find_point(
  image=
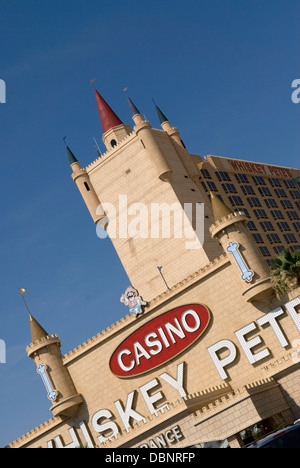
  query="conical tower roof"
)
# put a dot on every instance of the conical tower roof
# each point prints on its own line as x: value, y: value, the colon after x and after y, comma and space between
x: 37, y: 332
x: 71, y: 156
x: 107, y: 116
x: 220, y: 210
x: 133, y: 109
x: 161, y: 116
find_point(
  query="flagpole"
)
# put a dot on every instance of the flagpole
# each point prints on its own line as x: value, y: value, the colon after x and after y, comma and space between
x: 22, y: 296
x: 159, y: 269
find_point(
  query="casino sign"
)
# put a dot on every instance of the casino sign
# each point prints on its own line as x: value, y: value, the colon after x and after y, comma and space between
x: 160, y: 340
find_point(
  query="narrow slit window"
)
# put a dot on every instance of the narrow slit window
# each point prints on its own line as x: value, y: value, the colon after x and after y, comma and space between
x: 87, y: 186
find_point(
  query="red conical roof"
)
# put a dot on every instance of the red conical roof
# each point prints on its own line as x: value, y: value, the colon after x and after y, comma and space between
x: 107, y: 116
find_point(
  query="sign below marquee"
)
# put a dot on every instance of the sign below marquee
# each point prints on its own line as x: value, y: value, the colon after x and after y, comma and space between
x: 160, y: 340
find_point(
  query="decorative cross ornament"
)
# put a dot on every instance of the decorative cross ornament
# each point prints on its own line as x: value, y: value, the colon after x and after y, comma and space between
x: 247, y: 274
x: 42, y: 371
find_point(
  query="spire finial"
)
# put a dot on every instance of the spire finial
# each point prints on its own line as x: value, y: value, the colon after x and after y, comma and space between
x: 37, y: 332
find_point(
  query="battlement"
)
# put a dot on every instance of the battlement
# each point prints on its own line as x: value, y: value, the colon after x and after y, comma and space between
x: 45, y: 341
x: 234, y: 397
x: 180, y: 406
x: 222, y: 223
x: 155, y: 302
x: 37, y: 432
x: 105, y: 156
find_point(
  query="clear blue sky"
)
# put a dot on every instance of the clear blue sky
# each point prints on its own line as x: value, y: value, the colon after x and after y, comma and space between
x: 220, y: 70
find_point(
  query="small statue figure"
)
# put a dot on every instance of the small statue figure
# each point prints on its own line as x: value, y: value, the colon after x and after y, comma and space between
x: 132, y: 299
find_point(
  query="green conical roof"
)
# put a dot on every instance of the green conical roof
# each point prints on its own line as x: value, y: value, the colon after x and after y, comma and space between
x: 71, y: 156
x: 161, y: 115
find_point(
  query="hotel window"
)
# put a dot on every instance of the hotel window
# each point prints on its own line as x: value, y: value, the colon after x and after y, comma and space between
x: 251, y: 226
x: 235, y: 201
x: 271, y: 203
x: 241, y: 178
x: 219, y: 197
x: 295, y: 194
x: 258, y: 180
x: 273, y: 238
x: 258, y: 239
x: 290, y: 184
x: 205, y: 174
x: 265, y: 191
x: 253, y: 201
x: 212, y: 186
x: 277, y: 214
x: 204, y: 186
x: 264, y: 251
x: 292, y: 214
x: 298, y: 205
x: 248, y: 190
x: 286, y: 204
x: 243, y: 210
x: 267, y: 226
x: 269, y: 262
x: 293, y: 248
x: 278, y: 249
x: 283, y: 226
x: 296, y: 226
x: 275, y: 182
x: 229, y: 188
x: 280, y: 193
x: 260, y: 214
x: 223, y: 176
x: 289, y: 238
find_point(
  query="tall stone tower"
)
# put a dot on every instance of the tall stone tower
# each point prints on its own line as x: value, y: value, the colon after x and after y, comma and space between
x: 231, y: 231
x: 45, y: 351
x: 149, y: 199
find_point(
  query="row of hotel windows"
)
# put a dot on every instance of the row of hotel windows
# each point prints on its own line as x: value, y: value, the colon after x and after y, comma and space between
x: 243, y: 179
x: 268, y: 226
x: 278, y: 250
x: 260, y: 213
x: 236, y: 200
x: 264, y: 192
x: 249, y: 190
x: 274, y: 238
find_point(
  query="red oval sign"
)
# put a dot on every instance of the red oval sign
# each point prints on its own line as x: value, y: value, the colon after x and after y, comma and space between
x: 160, y: 340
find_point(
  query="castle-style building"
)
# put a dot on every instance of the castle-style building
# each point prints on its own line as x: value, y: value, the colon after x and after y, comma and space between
x: 205, y: 354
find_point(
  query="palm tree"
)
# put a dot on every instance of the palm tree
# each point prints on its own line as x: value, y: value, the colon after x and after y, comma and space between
x: 285, y: 272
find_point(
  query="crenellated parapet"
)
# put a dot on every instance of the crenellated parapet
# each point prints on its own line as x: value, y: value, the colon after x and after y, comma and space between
x: 226, y: 221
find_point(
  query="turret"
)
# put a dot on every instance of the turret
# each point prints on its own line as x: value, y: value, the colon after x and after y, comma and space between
x: 167, y: 127
x: 143, y: 130
x: 231, y: 231
x: 82, y: 180
x: 178, y: 144
x: 45, y: 351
